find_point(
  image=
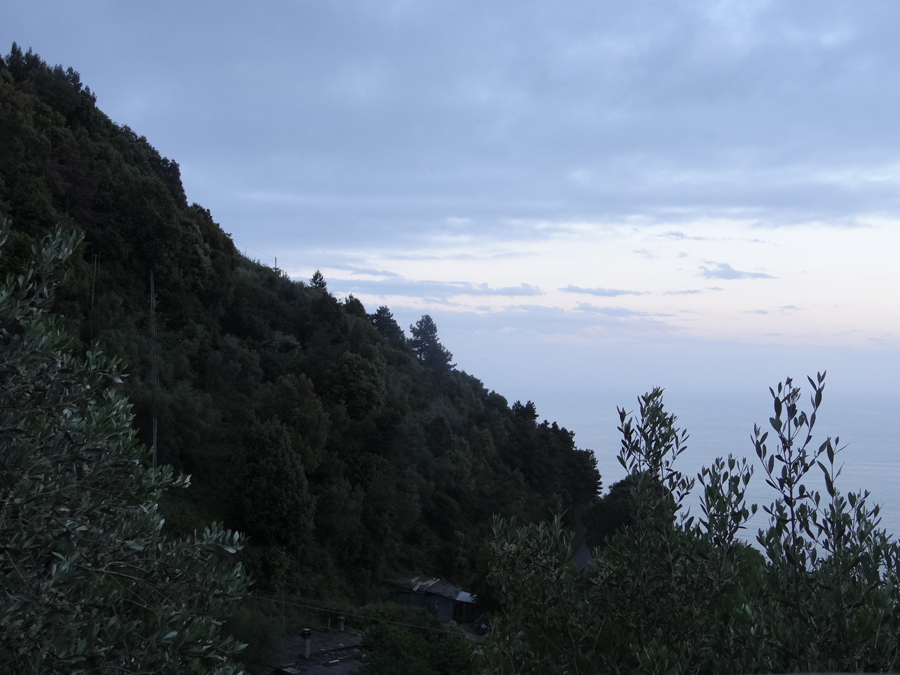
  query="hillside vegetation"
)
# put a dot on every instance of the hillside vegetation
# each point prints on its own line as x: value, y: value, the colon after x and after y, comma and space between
x: 350, y: 452
x: 345, y: 449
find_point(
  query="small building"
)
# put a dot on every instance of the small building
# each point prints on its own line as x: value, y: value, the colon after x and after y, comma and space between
x: 448, y: 602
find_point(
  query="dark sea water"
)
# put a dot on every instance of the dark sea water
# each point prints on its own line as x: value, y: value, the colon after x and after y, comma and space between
x: 720, y: 423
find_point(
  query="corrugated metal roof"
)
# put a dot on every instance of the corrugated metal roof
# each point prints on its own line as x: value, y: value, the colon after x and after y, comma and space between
x: 466, y: 597
x: 422, y: 584
x: 445, y: 589
x: 435, y: 586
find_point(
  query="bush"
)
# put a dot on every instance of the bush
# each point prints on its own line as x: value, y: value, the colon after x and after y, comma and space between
x: 410, y: 641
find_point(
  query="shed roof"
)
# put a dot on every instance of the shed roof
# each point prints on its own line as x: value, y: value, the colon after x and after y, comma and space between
x: 436, y: 586
x: 445, y: 589
x: 466, y: 597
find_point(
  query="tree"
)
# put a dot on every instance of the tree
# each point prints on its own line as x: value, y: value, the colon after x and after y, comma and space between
x: 410, y: 641
x: 670, y: 594
x: 292, y: 400
x: 91, y: 583
x: 354, y: 307
x: 832, y: 595
x: 358, y: 383
x: 527, y: 412
x: 273, y: 498
x: 318, y: 281
x: 611, y: 513
x: 384, y: 322
x: 428, y: 347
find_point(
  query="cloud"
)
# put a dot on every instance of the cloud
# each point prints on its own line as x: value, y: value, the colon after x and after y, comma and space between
x: 616, y: 312
x: 375, y: 272
x: 520, y: 290
x: 404, y: 134
x: 681, y: 236
x: 380, y: 275
x: 604, y: 292
x: 431, y: 290
x: 690, y: 292
x: 678, y: 235
x: 726, y: 271
x: 534, y: 321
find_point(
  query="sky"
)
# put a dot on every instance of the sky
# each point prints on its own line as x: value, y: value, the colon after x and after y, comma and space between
x: 589, y: 198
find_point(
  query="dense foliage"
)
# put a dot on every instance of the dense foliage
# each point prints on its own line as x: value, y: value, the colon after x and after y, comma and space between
x: 410, y: 641
x: 668, y: 594
x: 380, y: 454
x: 90, y: 582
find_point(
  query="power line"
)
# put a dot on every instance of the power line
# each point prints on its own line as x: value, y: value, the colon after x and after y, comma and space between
x: 268, y: 255
x: 355, y: 616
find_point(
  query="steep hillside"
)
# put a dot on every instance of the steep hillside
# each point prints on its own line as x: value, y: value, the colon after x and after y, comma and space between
x: 345, y: 449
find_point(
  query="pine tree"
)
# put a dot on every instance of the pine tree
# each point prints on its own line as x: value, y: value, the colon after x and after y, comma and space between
x: 384, y: 322
x: 318, y: 281
x: 428, y: 347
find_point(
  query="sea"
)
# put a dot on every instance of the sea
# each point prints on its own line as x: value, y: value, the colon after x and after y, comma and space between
x: 720, y: 423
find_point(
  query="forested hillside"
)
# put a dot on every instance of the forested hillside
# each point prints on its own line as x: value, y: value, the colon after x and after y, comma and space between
x: 347, y: 450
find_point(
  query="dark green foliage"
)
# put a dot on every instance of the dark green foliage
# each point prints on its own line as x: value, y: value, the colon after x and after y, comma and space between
x: 832, y: 566
x: 292, y: 400
x: 272, y: 497
x: 358, y: 383
x: 427, y: 346
x: 410, y: 641
x: 384, y: 322
x: 318, y: 281
x: 91, y: 581
x: 261, y: 378
x: 668, y: 594
x: 353, y: 306
x: 611, y: 512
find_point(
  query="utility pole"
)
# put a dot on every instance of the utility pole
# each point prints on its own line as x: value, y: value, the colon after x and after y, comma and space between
x: 93, y: 290
x: 154, y: 372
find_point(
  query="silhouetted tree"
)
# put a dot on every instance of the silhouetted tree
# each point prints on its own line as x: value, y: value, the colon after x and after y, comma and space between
x: 428, y: 347
x: 318, y: 281
x: 354, y: 306
x: 527, y: 412
x: 384, y: 322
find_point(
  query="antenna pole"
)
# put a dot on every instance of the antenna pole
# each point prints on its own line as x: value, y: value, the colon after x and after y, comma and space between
x: 93, y: 289
x: 154, y: 376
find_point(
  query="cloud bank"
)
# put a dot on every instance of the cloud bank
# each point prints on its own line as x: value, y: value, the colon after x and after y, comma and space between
x: 725, y: 271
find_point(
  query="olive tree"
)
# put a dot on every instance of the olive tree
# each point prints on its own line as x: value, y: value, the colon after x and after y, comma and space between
x: 90, y: 582
x: 670, y: 594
